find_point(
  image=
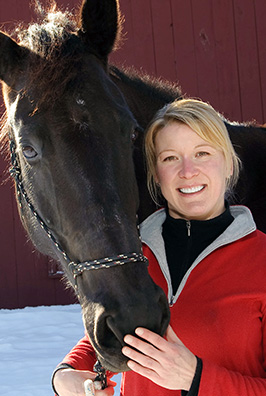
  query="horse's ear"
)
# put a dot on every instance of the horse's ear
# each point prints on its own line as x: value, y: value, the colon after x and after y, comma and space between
x: 100, y: 25
x: 10, y: 58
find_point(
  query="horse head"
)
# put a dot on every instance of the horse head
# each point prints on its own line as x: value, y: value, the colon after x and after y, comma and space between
x: 72, y: 137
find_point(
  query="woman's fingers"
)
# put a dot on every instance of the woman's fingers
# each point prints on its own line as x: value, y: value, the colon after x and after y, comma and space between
x: 154, y: 341
x: 140, y: 358
x: 165, y: 361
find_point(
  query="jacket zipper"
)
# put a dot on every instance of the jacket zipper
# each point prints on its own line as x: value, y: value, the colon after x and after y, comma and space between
x: 188, y: 223
x: 171, y: 303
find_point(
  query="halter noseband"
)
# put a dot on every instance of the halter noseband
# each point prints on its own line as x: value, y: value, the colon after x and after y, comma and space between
x: 107, y: 262
x: 75, y: 267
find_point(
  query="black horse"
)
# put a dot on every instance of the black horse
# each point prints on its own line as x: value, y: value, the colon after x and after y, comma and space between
x: 72, y: 137
x: 75, y: 125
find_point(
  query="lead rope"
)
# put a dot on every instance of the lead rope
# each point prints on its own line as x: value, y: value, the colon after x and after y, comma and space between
x: 101, y: 374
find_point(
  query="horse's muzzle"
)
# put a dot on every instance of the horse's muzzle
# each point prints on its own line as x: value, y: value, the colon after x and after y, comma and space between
x: 107, y: 322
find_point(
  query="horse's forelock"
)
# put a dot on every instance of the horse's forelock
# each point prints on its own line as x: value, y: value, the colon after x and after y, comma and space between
x: 52, y: 58
x: 53, y: 30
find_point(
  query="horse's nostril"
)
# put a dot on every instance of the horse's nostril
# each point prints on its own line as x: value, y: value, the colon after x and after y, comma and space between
x: 115, y: 330
x: 108, y: 334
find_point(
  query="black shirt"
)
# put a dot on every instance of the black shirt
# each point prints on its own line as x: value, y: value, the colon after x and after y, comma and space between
x: 185, y: 240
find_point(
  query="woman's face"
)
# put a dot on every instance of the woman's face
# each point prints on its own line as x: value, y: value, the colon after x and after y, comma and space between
x: 191, y: 172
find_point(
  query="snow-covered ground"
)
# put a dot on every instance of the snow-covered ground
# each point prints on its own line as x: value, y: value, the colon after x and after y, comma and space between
x: 32, y: 342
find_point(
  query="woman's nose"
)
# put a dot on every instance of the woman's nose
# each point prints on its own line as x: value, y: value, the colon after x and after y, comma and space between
x: 188, y: 169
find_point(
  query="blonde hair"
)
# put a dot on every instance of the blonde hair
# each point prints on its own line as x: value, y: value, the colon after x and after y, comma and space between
x: 202, y: 119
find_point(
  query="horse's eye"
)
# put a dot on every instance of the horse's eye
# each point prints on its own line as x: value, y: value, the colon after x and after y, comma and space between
x: 29, y: 152
x: 136, y: 133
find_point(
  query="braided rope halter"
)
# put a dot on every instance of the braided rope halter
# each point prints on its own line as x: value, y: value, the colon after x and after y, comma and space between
x: 77, y: 268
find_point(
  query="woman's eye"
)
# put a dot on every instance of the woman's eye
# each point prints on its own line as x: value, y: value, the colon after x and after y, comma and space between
x: 170, y: 158
x: 202, y: 154
x: 29, y: 152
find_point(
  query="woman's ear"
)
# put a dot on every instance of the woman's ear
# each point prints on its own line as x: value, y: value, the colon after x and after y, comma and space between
x: 231, y: 169
x: 156, y: 179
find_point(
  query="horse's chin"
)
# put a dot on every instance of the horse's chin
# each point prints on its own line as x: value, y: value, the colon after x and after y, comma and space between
x: 111, y: 358
x: 115, y: 363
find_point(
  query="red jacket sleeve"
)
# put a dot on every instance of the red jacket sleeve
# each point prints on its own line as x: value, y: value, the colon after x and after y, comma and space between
x: 82, y: 356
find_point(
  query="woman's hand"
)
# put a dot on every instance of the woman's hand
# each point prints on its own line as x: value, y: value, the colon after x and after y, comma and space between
x: 70, y: 382
x: 165, y: 361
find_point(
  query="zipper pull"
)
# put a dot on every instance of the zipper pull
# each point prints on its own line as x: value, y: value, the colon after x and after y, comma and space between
x: 188, y: 227
x: 171, y: 301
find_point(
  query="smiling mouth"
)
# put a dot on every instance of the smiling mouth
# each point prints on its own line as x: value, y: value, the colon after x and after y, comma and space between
x: 191, y: 190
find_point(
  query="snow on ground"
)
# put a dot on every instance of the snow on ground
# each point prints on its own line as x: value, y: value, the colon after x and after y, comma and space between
x: 33, y: 341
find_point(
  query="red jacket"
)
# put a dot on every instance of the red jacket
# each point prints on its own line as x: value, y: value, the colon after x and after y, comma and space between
x: 219, y: 311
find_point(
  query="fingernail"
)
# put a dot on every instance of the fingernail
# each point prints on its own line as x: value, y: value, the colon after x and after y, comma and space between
x: 128, y: 339
x: 131, y: 364
x: 139, y: 331
x: 126, y: 351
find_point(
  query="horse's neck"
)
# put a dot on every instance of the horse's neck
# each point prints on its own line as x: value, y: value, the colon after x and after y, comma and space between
x: 143, y: 94
x: 144, y: 97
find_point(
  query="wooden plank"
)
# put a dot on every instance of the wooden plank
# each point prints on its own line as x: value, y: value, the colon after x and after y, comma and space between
x: 260, y: 15
x: 202, y: 13
x: 228, y: 99
x: 24, y: 11
x: 63, y: 293
x: 184, y: 47
x: 30, y: 272
x: 8, y: 284
x: 163, y: 39
x: 125, y: 55
x: 248, y: 60
x: 34, y: 285
x: 143, y: 36
x: 8, y: 13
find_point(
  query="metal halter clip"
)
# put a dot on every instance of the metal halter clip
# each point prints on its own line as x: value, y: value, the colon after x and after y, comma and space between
x: 101, y: 374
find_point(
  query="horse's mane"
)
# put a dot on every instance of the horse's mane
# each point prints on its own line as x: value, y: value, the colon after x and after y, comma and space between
x: 154, y: 87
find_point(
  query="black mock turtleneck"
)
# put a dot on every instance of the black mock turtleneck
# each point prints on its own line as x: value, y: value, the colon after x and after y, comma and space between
x: 185, y: 240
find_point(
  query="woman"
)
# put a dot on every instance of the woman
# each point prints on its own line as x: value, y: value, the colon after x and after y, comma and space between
x: 209, y: 259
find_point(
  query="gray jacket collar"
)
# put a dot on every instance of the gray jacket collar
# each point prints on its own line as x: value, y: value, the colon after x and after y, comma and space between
x: 151, y: 235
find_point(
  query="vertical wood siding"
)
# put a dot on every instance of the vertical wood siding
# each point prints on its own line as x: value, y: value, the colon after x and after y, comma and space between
x: 214, y: 49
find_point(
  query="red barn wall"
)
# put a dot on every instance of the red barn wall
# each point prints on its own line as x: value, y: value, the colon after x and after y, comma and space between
x: 214, y: 49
